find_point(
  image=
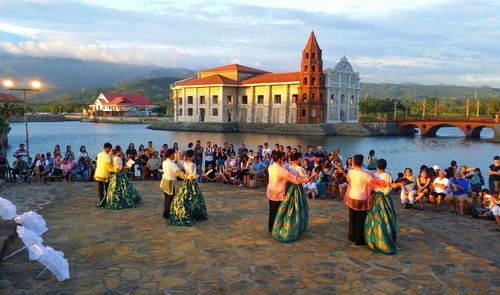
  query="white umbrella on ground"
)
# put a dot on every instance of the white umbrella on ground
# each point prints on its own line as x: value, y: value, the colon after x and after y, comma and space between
x: 29, y: 239
x: 53, y: 260
x: 32, y: 221
x: 7, y: 209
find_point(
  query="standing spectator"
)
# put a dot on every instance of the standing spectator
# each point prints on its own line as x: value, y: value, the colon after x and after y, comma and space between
x: 494, y: 176
x: 69, y: 152
x: 198, y: 155
x: 372, y: 161
x: 450, y: 171
x: 177, y: 152
x: 131, y: 151
x: 57, y: 150
x: 266, y: 150
x: 209, y: 155
x: 243, y: 151
x: 309, y: 156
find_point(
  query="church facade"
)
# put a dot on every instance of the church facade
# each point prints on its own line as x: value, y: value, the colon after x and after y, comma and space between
x: 236, y: 93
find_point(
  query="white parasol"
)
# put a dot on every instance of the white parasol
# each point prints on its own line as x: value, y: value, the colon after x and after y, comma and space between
x: 32, y: 221
x: 7, y: 209
x: 53, y: 260
x: 29, y: 239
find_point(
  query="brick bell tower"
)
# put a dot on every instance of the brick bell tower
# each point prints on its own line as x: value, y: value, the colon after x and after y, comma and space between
x: 311, y: 106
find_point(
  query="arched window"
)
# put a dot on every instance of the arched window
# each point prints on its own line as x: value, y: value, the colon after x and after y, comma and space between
x: 303, y: 112
x: 342, y: 99
x: 313, y: 55
x: 304, y: 97
x: 313, y: 81
x: 305, y: 81
x: 307, y: 55
x: 306, y: 68
x: 320, y: 96
x: 352, y: 99
x: 313, y: 96
x: 332, y: 98
x: 313, y: 68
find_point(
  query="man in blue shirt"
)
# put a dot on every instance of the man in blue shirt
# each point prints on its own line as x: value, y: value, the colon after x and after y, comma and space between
x: 459, y: 190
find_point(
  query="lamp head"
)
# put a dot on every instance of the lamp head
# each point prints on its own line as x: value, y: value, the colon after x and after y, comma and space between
x: 8, y: 84
x: 36, y: 85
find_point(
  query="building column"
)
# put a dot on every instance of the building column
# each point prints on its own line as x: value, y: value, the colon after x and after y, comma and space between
x: 195, y: 105
x: 253, y: 110
x: 288, y: 114
x: 208, y: 111
x: 270, y: 102
x: 184, y: 102
x: 173, y: 95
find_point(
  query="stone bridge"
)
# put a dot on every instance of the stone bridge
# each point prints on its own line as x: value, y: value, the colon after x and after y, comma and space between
x: 428, y: 126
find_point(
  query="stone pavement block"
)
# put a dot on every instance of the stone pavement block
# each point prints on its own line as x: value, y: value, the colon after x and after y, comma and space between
x: 135, y: 251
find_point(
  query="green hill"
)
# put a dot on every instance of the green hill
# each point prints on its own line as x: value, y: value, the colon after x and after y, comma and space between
x: 407, y: 91
x: 156, y: 89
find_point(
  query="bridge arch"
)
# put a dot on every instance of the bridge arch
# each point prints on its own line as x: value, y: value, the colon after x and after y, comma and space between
x: 432, y: 130
x: 476, y: 131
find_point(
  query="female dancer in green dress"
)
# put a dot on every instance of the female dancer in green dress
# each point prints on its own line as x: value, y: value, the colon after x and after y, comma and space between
x: 188, y: 204
x: 121, y: 192
x: 293, y: 212
x: 381, y: 229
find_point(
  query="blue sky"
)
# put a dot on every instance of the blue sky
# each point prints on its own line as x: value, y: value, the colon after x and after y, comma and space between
x: 430, y: 42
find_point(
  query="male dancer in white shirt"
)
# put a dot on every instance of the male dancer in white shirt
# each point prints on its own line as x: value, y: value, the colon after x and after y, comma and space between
x: 167, y: 184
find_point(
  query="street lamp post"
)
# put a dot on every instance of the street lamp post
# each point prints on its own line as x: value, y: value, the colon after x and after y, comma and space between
x: 35, y: 86
x: 424, y: 105
x: 435, y: 106
x: 395, y: 108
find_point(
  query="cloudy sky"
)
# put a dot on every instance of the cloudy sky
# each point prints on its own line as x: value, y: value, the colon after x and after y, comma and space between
x: 426, y: 41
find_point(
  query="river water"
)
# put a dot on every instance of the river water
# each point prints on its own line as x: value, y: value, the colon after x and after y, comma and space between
x: 399, y: 151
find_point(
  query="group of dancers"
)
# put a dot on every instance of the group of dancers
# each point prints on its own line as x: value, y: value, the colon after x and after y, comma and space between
x: 372, y: 218
x: 117, y: 192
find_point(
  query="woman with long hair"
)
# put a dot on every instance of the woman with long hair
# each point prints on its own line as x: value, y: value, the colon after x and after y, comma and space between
x: 188, y: 204
x: 121, y: 192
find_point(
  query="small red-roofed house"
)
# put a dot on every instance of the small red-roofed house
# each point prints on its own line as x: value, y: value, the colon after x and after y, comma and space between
x: 110, y: 104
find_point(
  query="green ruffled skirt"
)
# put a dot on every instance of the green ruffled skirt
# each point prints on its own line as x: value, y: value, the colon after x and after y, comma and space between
x: 188, y: 205
x: 293, y: 215
x: 381, y: 227
x: 121, y: 193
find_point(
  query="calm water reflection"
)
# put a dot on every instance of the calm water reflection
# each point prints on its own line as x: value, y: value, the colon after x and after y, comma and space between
x: 400, y: 152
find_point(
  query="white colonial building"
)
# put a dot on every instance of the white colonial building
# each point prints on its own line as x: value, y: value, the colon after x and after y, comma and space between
x: 342, y: 89
x: 241, y: 94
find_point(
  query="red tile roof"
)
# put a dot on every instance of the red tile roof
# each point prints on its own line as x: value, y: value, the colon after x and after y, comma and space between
x: 9, y: 98
x: 126, y: 98
x: 272, y: 78
x: 235, y: 67
x: 210, y: 80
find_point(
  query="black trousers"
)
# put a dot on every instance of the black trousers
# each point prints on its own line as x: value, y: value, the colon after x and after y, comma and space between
x: 357, y: 226
x: 102, y: 188
x: 273, y: 210
x: 167, y: 203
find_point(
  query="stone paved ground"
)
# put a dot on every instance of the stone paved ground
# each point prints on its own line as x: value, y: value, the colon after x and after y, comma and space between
x: 134, y: 251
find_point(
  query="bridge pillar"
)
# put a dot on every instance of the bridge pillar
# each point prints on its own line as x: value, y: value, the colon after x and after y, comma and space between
x: 496, y: 135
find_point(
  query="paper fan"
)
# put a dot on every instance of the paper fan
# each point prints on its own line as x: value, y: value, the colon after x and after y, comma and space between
x: 32, y: 221
x: 7, y: 209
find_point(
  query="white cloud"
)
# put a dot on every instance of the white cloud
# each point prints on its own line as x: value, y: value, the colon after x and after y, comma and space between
x: 399, y: 61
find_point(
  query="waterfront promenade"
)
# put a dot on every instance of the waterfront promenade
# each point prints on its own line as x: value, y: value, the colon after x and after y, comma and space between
x: 134, y: 251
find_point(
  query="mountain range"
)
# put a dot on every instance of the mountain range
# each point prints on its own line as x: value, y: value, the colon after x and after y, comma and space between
x: 78, y: 82
x: 61, y: 75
